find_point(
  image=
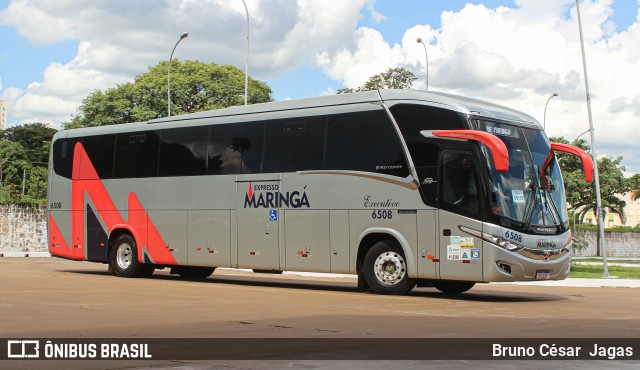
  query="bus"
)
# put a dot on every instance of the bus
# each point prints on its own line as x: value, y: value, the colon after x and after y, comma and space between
x: 401, y: 188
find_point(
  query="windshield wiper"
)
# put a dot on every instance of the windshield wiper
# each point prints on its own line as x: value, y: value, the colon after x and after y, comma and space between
x: 528, y: 211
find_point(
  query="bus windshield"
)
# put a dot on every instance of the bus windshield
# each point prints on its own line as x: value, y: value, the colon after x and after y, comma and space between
x: 521, y: 194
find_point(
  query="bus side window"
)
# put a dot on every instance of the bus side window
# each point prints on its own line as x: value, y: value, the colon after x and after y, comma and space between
x: 136, y: 155
x: 294, y: 144
x: 183, y: 151
x: 100, y: 150
x: 459, y: 190
x: 364, y: 141
x: 236, y: 148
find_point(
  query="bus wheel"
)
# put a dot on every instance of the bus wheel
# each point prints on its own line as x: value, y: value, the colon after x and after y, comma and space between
x: 195, y: 272
x: 385, y: 269
x: 124, y: 257
x: 453, y: 287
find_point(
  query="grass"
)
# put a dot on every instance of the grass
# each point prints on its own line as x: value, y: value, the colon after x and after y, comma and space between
x: 609, y: 259
x: 595, y: 271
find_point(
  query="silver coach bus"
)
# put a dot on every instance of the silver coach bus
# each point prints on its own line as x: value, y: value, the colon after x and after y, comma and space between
x: 402, y: 188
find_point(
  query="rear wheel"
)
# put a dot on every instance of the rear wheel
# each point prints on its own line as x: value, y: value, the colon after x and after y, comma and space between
x: 124, y: 257
x: 385, y: 269
x: 453, y: 287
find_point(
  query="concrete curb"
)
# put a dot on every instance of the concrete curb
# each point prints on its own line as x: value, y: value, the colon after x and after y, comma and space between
x: 24, y: 254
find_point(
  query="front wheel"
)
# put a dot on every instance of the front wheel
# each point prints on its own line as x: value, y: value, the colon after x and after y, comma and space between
x: 453, y: 287
x: 385, y: 269
x: 124, y: 257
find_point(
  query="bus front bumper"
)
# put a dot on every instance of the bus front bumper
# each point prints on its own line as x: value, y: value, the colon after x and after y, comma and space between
x: 525, y: 264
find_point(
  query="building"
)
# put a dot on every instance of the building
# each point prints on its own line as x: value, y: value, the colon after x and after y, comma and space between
x: 3, y: 114
x: 631, y: 212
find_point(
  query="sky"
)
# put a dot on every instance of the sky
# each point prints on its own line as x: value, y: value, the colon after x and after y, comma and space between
x: 516, y: 53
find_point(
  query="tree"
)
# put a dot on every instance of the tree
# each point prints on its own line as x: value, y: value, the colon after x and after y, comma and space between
x: 35, y: 138
x: 393, y: 78
x: 634, y: 185
x: 13, y: 158
x: 24, y: 153
x: 195, y: 87
x: 581, y: 195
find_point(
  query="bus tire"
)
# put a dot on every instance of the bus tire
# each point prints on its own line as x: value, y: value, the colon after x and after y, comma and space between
x: 195, y: 272
x: 453, y: 287
x: 124, y: 257
x: 385, y: 269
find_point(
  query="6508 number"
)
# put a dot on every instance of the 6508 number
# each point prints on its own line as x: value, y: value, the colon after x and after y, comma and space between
x: 382, y: 214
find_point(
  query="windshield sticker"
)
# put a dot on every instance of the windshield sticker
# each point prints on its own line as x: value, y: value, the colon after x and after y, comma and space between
x: 517, y: 196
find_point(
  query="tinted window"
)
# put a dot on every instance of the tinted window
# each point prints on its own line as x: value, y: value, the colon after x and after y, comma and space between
x: 236, y: 148
x: 136, y: 155
x: 183, y: 151
x: 100, y: 150
x: 294, y: 144
x: 459, y: 187
x: 414, y: 118
x: 364, y: 141
x: 61, y: 165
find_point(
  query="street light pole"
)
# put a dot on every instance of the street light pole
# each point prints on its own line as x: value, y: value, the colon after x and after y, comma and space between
x: 426, y: 55
x: 182, y: 37
x: 544, y: 119
x: 246, y: 64
x: 596, y: 177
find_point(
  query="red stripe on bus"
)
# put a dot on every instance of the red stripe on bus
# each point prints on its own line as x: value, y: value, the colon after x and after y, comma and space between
x: 85, y: 182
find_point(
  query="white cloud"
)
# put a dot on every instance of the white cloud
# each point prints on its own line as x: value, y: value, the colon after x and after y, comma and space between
x: 519, y: 57
x: 120, y: 39
x: 514, y: 56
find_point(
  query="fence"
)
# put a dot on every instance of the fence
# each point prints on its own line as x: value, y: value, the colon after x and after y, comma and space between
x: 617, y: 244
x: 23, y: 230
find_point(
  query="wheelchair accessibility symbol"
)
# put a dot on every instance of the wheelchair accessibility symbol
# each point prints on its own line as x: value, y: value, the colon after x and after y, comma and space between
x: 273, y: 215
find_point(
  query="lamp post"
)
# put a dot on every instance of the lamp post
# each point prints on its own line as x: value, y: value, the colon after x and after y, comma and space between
x: 581, y: 135
x: 246, y: 64
x: 596, y: 177
x: 426, y: 55
x: 544, y: 119
x: 182, y: 37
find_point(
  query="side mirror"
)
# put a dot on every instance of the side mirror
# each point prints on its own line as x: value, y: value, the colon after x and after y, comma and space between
x: 498, y: 148
x: 587, y: 162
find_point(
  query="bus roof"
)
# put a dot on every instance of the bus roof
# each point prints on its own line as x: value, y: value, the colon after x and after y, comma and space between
x: 457, y: 103
x: 461, y: 104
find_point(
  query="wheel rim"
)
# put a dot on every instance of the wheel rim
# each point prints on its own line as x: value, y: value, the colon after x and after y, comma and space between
x: 390, y: 268
x: 124, y: 256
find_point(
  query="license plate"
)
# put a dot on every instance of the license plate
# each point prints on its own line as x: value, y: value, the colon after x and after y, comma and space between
x: 543, y: 274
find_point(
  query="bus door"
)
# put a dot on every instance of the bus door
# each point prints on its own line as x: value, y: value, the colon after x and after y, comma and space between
x: 460, y: 253
x: 258, y: 221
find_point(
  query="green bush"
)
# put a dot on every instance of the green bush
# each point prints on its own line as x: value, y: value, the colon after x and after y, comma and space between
x: 587, y: 227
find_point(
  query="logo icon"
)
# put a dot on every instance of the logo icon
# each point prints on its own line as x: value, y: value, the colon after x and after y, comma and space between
x: 273, y: 215
x: 23, y: 349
